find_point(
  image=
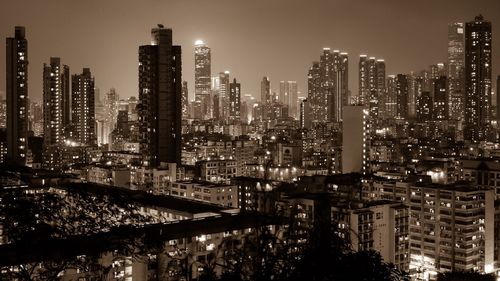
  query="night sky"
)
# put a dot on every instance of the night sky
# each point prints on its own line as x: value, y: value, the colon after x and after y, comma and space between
x: 278, y: 38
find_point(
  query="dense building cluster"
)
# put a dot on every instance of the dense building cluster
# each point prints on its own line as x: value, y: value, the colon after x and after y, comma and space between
x: 409, y: 166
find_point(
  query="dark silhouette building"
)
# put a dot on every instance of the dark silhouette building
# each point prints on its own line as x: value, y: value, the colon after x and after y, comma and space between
x: 160, y: 91
x: 17, y: 96
x: 477, y: 79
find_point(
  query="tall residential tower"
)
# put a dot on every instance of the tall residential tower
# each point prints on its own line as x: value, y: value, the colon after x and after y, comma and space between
x: 17, y: 96
x: 477, y: 79
x: 160, y: 90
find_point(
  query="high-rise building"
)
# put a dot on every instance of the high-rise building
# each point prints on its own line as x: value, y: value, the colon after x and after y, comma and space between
x: 265, y: 91
x: 110, y: 112
x: 66, y: 96
x: 185, y: 100
x: 53, y: 112
x: 415, y: 88
x: 288, y: 96
x: 202, y: 79
x: 355, y: 140
x: 451, y: 229
x: 17, y: 96
x: 372, y: 84
x: 401, y: 96
x: 456, y: 70
x: 83, y: 108
x: 477, y: 79
x: 315, y: 96
x: 363, y: 79
x: 327, y: 85
x: 440, y: 108
x: 340, y: 95
x: 424, y: 107
x: 224, y: 95
x: 234, y: 101
x: 160, y: 89
x: 451, y: 225
x: 390, y: 98
x: 53, y: 102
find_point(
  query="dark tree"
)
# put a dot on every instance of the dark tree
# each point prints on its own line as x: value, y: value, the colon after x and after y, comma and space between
x: 465, y: 276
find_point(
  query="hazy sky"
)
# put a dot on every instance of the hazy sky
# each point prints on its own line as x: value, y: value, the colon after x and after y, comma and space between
x: 250, y: 38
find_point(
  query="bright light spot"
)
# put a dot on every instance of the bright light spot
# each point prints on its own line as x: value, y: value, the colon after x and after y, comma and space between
x: 199, y: 42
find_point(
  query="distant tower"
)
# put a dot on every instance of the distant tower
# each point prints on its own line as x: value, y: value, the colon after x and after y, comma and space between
x: 477, y: 79
x: 340, y: 94
x: 328, y: 87
x: 185, y: 100
x: 363, y: 79
x: 390, y: 99
x: 17, y: 96
x: 440, y: 107
x: 288, y: 96
x: 265, y: 91
x: 202, y: 79
x: 224, y: 95
x: 424, y: 107
x: 372, y: 84
x: 401, y: 88
x: 159, y: 107
x: 234, y: 101
x: 83, y: 108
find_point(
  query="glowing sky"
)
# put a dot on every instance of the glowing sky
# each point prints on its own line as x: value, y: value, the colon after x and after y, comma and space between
x: 278, y: 38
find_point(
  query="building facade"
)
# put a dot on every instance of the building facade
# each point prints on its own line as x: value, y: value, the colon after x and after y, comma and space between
x: 17, y: 96
x: 160, y: 87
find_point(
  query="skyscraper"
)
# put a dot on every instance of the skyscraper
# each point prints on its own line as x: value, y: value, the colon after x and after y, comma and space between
x: 202, y: 79
x: 424, y: 107
x: 315, y: 97
x: 53, y: 102
x: 440, y: 107
x: 224, y: 95
x: 477, y: 79
x: 185, y: 100
x: 363, y: 79
x: 288, y: 96
x: 66, y: 96
x: 55, y: 106
x: 371, y: 84
x: 401, y: 88
x: 159, y: 107
x: 265, y: 91
x: 390, y: 98
x: 83, y: 108
x: 339, y: 96
x: 328, y: 86
x: 17, y: 96
x: 234, y: 101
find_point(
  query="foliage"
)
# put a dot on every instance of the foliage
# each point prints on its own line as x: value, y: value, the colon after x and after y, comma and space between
x: 465, y: 276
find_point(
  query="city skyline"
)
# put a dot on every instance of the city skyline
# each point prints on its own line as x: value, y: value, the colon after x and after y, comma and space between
x: 263, y: 52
